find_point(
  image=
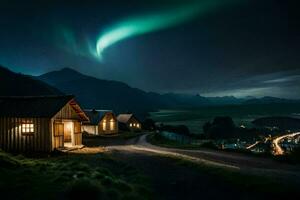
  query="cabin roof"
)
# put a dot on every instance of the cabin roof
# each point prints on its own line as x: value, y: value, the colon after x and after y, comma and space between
x: 124, y: 118
x: 37, y: 106
x: 95, y: 116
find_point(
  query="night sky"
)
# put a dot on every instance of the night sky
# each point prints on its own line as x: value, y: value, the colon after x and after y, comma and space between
x: 211, y: 48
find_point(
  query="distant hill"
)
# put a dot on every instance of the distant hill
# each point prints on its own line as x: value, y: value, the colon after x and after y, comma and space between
x: 102, y: 94
x: 269, y: 100
x: 14, y: 84
x: 120, y: 97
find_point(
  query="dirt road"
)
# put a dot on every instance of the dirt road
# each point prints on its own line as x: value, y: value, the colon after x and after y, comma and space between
x: 231, y: 160
x: 171, y: 180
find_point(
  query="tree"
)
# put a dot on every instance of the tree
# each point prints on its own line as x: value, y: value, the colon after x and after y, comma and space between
x: 221, y: 128
x: 149, y: 124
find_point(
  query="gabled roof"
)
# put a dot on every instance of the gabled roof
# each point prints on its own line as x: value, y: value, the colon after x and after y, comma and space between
x: 95, y: 116
x: 124, y: 118
x: 37, y: 106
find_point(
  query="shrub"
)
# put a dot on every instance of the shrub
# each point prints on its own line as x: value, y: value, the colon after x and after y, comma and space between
x: 7, y: 161
x: 149, y: 125
x: 83, y: 188
x: 220, y: 128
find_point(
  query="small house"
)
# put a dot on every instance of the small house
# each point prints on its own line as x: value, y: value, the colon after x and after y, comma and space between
x: 129, y: 122
x: 100, y: 122
x: 40, y: 123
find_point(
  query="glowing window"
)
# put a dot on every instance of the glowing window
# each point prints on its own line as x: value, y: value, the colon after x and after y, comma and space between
x: 112, y: 124
x: 27, y: 128
x: 130, y: 124
x: 104, y: 125
x: 138, y: 125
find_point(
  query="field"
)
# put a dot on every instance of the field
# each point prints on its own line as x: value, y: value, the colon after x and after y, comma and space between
x: 194, y: 118
x: 70, y: 176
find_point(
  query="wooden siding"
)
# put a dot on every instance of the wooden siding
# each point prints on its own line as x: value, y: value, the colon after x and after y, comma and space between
x: 12, y: 138
x: 58, y: 134
x: 66, y: 114
x: 104, y: 126
x: 132, y: 120
x: 77, y: 133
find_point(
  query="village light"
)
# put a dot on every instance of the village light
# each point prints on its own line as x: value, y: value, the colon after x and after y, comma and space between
x: 27, y: 128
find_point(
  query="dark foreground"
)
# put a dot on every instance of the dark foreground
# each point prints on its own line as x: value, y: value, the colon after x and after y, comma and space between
x: 134, y: 169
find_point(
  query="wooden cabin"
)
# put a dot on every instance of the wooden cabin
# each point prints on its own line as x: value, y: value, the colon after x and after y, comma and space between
x: 41, y: 123
x: 129, y: 122
x: 100, y: 122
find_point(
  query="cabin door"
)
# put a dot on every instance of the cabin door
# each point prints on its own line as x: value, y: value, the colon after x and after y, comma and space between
x: 68, y: 132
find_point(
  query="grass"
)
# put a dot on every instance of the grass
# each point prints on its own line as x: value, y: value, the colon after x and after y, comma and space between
x: 259, y: 185
x: 70, y: 176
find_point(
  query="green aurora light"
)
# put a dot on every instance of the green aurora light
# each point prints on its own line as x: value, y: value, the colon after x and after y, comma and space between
x: 139, y: 25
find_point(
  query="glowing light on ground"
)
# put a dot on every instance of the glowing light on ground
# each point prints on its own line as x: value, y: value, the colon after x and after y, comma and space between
x: 253, y: 145
x: 277, y: 148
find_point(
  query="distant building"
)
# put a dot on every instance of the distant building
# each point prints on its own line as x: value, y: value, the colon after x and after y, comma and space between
x: 129, y: 122
x: 100, y: 122
x: 41, y: 123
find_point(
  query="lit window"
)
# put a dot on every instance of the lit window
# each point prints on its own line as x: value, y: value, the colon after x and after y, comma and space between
x: 134, y: 124
x: 111, y: 124
x: 27, y: 128
x: 138, y: 125
x: 130, y: 124
x: 104, y: 125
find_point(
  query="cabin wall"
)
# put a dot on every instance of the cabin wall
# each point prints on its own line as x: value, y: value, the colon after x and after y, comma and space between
x: 13, y: 138
x: 108, y: 125
x: 67, y: 113
x: 134, y: 124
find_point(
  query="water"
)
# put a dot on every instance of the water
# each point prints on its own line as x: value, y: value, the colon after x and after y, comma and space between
x: 195, y: 118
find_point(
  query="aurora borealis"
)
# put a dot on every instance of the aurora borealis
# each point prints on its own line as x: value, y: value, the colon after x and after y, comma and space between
x: 153, y: 22
x: 206, y: 47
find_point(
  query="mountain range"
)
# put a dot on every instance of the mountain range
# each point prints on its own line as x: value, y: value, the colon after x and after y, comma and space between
x: 14, y: 84
x: 96, y: 93
x: 120, y: 97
